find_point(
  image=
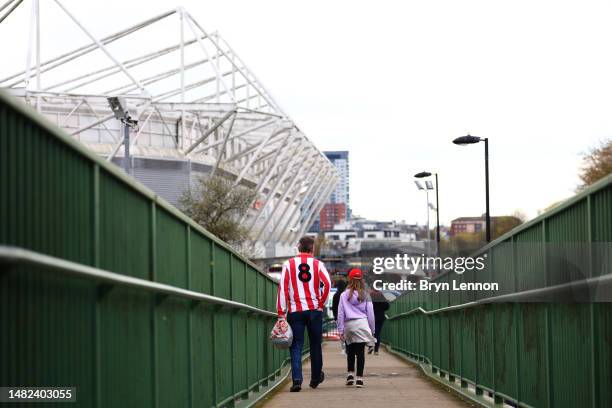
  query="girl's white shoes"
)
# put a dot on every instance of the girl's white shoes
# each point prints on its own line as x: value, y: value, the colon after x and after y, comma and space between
x: 350, y: 380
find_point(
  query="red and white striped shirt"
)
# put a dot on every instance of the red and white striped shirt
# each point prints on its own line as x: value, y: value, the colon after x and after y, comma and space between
x: 299, y: 288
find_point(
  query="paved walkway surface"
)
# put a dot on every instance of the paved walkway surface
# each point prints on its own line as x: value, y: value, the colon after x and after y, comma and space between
x: 389, y: 382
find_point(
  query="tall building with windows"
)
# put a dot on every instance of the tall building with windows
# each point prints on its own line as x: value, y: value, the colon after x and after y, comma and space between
x: 337, y: 209
x: 341, y: 195
x: 332, y: 214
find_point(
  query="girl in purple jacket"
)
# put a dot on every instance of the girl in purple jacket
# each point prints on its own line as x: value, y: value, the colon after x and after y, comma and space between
x: 355, y: 325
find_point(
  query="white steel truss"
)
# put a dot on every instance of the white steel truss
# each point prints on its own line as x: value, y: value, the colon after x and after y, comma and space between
x: 196, y: 101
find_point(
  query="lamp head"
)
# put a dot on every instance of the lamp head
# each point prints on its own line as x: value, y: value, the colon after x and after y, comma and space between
x: 466, y: 140
x: 118, y: 106
x: 422, y: 174
x: 124, y: 111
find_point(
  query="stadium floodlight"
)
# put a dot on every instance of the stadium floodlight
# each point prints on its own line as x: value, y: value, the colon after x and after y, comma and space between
x: 117, y: 106
x: 122, y: 110
x: 425, y: 174
x: 124, y: 113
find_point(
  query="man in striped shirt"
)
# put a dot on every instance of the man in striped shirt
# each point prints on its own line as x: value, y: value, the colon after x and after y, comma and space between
x: 302, y: 292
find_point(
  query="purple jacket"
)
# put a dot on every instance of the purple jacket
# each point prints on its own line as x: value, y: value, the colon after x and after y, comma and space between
x: 349, y: 309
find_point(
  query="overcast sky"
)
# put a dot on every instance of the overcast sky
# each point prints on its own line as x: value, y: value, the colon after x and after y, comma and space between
x: 395, y: 82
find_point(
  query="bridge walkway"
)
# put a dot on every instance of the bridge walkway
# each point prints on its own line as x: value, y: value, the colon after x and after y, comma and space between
x: 389, y: 382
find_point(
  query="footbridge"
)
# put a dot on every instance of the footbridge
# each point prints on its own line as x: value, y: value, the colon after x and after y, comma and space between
x: 106, y: 287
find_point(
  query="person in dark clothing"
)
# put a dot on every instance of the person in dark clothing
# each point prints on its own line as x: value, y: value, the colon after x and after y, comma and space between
x: 381, y: 305
x: 340, y: 286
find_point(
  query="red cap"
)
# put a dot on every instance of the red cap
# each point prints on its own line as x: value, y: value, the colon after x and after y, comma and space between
x: 355, y: 274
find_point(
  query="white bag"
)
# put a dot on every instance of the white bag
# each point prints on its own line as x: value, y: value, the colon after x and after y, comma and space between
x: 281, y: 335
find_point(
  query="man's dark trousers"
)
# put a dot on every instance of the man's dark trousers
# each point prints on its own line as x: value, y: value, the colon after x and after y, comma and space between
x: 378, y: 328
x: 311, y: 320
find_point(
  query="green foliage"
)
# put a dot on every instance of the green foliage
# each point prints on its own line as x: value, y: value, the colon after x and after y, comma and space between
x: 464, y: 244
x: 503, y: 224
x: 218, y: 207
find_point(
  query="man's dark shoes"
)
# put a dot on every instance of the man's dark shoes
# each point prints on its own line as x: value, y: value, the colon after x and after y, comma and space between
x: 315, y: 384
x: 296, y: 387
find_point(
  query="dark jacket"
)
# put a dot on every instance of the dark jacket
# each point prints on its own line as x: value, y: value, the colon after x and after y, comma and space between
x: 381, y: 305
x: 341, y: 285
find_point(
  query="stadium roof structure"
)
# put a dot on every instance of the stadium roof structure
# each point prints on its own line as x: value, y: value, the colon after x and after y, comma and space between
x: 195, y: 100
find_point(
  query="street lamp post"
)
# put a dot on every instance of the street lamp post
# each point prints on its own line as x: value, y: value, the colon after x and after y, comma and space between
x: 427, y: 187
x: 424, y: 174
x: 466, y: 140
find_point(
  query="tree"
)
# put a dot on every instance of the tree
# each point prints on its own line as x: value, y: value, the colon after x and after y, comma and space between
x: 218, y: 206
x: 597, y: 163
x: 320, y: 243
x: 466, y: 243
x: 520, y: 215
x: 501, y: 225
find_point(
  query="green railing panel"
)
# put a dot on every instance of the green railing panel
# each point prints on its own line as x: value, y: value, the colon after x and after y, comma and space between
x: 127, y: 337
x: 202, y: 356
x: 221, y: 281
x: 532, y: 352
x: 131, y: 346
x: 172, y: 316
x: 200, y: 261
x: 171, y: 250
x: 124, y: 246
x: 468, y: 344
x: 223, y: 354
x: 486, y: 346
x: 54, y: 213
x: 570, y: 347
x: 505, y: 344
x: 263, y: 362
x: 529, y: 258
x: 251, y: 345
x: 436, y: 358
x: 569, y: 231
x: 239, y: 358
x: 601, y: 210
x: 455, y: 323
x: 603, y: 353
x: 501, y: 258
x: 29, y: 306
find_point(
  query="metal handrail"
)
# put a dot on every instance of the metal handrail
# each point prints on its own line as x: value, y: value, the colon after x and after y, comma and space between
x: 15, y: 255
x: 523, y: 296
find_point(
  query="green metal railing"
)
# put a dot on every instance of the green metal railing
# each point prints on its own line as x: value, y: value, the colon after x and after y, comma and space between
x: 512, y: 346
x: 106, y: 287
